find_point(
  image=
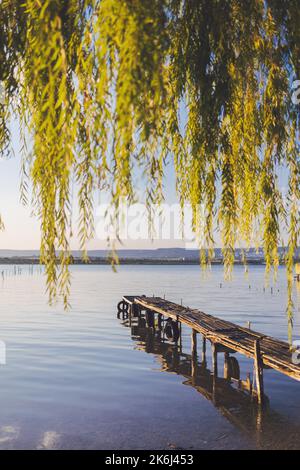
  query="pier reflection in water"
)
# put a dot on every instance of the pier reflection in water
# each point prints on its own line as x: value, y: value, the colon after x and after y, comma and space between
x: 231, y: 396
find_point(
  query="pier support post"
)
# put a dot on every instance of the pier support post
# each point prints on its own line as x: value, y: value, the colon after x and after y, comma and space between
x: 150, y: 318
x: 226, y: 366
x: 194, y: 355
x: 193, y: 369
x: 258, y: 365
x: 214, y: 349
x: 163, y: 330
x: 180, y: 336
x: 130, y: 314
x: 135, y: 310
x: 204, y: 351
x: 214, y: 352
x: 194, y: 342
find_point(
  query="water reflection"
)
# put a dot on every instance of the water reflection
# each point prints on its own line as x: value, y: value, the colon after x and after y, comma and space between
x: 232, y: 398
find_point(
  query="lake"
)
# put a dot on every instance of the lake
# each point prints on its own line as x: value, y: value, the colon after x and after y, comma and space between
x: 83, y: 380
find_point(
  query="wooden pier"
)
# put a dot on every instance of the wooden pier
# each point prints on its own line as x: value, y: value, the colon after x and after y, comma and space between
x: 225, y: 337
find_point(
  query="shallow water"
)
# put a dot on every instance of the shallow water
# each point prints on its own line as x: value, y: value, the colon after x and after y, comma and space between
x: 82, y: 379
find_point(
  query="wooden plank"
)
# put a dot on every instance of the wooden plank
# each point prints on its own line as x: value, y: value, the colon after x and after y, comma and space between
x: 129, y: 299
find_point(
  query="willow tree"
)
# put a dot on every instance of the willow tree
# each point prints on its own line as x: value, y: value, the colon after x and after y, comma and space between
x: 97, y: 86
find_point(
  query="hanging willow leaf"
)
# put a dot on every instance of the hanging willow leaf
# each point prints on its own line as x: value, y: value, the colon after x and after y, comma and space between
x: 99, y: 86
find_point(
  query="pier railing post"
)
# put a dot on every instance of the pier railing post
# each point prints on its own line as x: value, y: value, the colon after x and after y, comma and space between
x: 258, y: 365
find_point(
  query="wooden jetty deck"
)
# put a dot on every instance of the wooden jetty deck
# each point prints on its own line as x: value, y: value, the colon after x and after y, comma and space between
x: 225, y: 337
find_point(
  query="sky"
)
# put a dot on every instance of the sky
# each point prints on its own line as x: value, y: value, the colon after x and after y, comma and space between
x: 22, y: 228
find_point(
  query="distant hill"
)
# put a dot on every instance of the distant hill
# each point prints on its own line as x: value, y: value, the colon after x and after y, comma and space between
x: 159, y: 254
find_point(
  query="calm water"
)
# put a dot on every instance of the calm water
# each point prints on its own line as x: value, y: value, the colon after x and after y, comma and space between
x: 82, y: 379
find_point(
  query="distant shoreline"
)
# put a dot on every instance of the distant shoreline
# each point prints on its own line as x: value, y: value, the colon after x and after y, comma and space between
x: 158, y: 256
x: 128, y: 261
